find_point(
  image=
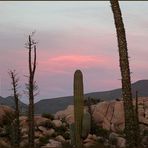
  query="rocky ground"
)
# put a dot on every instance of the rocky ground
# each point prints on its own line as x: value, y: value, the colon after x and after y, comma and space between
x: 110, y: 116
x: 53, y: 132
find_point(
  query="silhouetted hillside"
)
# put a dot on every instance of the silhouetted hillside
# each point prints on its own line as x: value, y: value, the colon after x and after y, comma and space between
x: 56, y: 104
x: 9, y: 101
x: 53, y: 105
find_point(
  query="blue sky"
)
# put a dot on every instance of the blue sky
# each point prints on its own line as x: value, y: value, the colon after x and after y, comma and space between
x: 71, y: 35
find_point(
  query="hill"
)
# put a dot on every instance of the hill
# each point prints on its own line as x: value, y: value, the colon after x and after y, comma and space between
x: 56, y: 104
x: 9, y: 101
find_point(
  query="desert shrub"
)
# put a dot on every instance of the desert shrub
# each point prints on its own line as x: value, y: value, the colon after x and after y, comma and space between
x: 4, y: 145
x: 9, y: 117
x: 55, y: 134
x: 65, y: 122
x: 113, y: 141
x: 48, y: 115
x: 145, y: 133
x: 66, y: 135
x: 66, y: 145
x: 63, y: 119
x: 8, y: 130
x: 49, y: 125
x: 99, y: 131
x: 102, y: 132
x: 120, y: 132
x: 97, y: 145
x: 61, y: 130
x: 141, y: 104
x: 44, y: 140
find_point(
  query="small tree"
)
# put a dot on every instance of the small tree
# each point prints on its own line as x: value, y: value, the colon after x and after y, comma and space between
x: 31, y: 87
x: 14, y: 83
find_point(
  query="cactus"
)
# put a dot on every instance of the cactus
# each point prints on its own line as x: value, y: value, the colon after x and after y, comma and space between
x: 72, y: 133
x: 78, y: 106
x: 86, y: 124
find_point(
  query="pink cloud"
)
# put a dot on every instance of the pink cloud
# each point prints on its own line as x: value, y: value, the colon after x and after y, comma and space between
x: 61, y: 63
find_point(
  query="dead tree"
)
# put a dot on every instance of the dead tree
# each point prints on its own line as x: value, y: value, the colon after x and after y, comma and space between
x: 31, y: 86
x: 14, y: 83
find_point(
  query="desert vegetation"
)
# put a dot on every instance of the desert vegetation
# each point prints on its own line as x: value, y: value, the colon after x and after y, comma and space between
x: 88, y: 123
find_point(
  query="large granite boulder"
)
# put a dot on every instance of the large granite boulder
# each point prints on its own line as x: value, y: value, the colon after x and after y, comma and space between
x: 109, y: 114
x: 6, y: 114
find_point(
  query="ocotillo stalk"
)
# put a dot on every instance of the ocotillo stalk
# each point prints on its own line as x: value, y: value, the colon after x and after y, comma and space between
x: 136, y: 109
x: 78, y: 106
x: 125, y: 73
x: 137, y: 135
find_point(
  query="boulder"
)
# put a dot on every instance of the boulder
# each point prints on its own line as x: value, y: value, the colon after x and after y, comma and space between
x: 6, y: 113
x: 38, y: 134
x: 57, y: 123
x: 24, y: 131
x: 121, y: 142
x: 42, y: 129
x: 145, y: 141
x: 89, y: 143
x: 41, y: 121
x: 23, y: 121
x: 90, y: 140
x: 113, y: 138
x: 118, y: 117
x: 68, y: 114
x: 38, y: 120
x: 60, y: 138
x: 24, y: 143
x: 4, y: 143
x: 109, y: 114
x: 54, y: 144
x: 49, y: 132
x: 25, y: 136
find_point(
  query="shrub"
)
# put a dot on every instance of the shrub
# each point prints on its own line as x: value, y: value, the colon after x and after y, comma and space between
x: 48, y: 115
x: 55, y: 134
x: 145, y: 133
x: 61, y: 130
x: 44, y: 140
x: 97, y: 145
x: 99, y: 131
x: 66, y: 145
x: 49, y: 125
x: 66, y: 135
x: 8, y: 119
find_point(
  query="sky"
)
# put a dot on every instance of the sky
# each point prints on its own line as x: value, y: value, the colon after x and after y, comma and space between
x: 71, y: 35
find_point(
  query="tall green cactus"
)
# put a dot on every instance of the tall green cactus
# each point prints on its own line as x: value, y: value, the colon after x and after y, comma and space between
x: 78, y: 106
x: 86, y: 124
x: 72, y: 133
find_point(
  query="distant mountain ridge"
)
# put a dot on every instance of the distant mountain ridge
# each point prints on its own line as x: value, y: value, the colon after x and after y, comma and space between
x: 9, y: 101
x: 55, y: 104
